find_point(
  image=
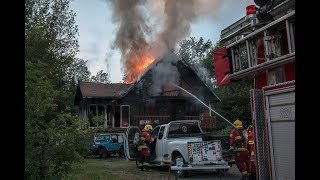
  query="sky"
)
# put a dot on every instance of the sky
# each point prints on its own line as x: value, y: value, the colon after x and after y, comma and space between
x: 97, y: 32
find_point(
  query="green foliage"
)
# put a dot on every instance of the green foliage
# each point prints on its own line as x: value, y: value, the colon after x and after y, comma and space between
x: 53, y: 138
x: 224, y: 131
x: 208, y: 60
x: 194, y: 53
x: 98, y: 121
x: 101, y: 77
x: 235, y: 102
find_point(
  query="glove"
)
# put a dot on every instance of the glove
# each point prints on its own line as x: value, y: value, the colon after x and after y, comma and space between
x: 231, y: 149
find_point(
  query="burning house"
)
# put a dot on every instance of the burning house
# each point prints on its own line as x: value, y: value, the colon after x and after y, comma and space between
x: 154, y: 97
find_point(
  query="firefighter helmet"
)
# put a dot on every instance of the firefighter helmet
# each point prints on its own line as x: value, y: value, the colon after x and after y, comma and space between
x: 237, y: 124
x: 147, y: 127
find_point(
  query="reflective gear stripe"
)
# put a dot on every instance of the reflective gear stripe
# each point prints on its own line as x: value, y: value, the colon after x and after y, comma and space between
x: 244, y: 173
x: 251, y: 142
x: 142, y: 147
x: 237, y: 137
x: 241, y: 149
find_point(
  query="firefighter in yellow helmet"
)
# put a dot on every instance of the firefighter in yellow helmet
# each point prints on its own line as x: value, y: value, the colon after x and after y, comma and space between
x: 238, y: 145
x: 143, y: 147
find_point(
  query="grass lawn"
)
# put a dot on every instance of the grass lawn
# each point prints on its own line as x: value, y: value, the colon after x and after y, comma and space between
x: 114, y: 169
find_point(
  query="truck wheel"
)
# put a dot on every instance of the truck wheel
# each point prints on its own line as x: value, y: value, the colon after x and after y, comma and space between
x: 179, y: 160
x: 103, y: 153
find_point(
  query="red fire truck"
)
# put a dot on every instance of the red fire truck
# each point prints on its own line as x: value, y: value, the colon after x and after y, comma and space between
x: 261, y: 45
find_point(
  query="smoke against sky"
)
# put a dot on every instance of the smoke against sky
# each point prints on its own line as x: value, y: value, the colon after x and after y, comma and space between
x: 97, y: 16
x: 174, y: 17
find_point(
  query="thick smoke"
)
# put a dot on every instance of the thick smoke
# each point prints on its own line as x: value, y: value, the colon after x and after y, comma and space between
x: 165, y: 73
x: 177, y: 17
x: 173, y: 22
x: 132, y: 32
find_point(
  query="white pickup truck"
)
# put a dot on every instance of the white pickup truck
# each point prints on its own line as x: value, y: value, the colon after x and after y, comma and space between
x: 179, y: 144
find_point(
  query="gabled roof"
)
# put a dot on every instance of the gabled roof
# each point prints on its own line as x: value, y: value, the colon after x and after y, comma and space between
x: 153, y: 64
x: 94, y: 89
x: 120, y: 90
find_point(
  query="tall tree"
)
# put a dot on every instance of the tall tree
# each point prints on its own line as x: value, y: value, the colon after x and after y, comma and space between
x: 101, y: 76
x: 53, y: 140
x: 235, y: 98
x: 194, y: 53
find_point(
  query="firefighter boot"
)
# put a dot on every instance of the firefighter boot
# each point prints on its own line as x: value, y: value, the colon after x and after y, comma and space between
x: 244, y: 175
x: 146, y: 166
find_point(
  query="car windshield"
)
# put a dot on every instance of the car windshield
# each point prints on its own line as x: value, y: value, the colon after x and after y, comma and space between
x: 102, y: 137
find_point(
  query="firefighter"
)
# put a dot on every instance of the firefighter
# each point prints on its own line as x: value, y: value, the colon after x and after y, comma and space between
x: 238, y: 145
x: 250, y: 146
x: 143, y: 148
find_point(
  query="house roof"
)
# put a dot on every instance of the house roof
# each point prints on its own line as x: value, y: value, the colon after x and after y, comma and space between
x: 153, y: 64
x: 95, y: 89
x: 120, y: 90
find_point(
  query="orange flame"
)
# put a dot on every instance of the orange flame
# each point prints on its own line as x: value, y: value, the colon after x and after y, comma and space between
x: 138, y: 65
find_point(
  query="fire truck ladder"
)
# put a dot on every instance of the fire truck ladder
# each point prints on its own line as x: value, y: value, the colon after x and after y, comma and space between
x: 244, y: 52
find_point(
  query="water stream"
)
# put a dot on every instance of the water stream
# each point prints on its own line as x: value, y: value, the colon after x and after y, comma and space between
x: 203, y: 103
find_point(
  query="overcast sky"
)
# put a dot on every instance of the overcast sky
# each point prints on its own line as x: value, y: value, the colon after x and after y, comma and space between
x: 97, y: 32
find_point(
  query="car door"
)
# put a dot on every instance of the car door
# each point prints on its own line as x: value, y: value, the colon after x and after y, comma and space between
x: 159, y: 144
x: 113, y: 143
x: 130, y: 148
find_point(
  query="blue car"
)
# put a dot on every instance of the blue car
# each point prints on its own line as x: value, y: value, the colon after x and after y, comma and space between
x: 106, y: 144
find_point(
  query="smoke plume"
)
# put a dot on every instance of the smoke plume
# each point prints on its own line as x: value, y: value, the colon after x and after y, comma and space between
x: 173, y: 22
x: 131, y: 34
x: 164, y: 73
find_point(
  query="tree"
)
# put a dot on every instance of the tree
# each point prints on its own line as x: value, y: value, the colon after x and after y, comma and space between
x: 53, y: 139
x: 101, y: 77
x: 235, y: 98
x: 235, y: 102
x: 193, y: 53
x: 208, y: 60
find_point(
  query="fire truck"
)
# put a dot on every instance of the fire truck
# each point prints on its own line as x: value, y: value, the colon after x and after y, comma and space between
x: 261, y: 46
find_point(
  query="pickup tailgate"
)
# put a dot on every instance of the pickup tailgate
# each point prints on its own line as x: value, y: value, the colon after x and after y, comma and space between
x: 204, y: 152
x: 203, y: 155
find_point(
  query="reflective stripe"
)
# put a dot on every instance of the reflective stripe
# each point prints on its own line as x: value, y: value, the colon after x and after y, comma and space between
x: 142, y: 147
x: 237, y: 137
x: 251, y: 142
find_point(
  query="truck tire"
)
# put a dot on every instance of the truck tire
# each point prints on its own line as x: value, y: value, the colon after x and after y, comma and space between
x: 103, y: 153
x: 179, y: 173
